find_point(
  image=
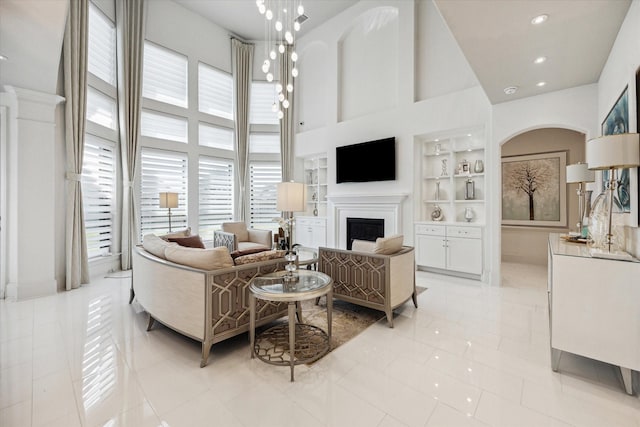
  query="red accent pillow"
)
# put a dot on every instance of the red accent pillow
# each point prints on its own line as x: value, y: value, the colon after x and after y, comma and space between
x: 189, y: 242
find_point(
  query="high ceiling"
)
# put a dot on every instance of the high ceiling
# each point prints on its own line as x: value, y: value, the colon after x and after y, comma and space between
x: 496, y: 36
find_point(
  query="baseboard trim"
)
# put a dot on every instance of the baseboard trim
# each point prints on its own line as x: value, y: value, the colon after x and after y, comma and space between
x: 23, y: 291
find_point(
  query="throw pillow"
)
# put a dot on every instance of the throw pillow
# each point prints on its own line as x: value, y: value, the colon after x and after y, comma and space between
x: 204, y: 259
x: 189, y: 242
x: 260, y: 256
x: 388, y: 245
x: 182, y: 233
x: 155, y: 245
x: 239, y: 253
x: 363, y: 246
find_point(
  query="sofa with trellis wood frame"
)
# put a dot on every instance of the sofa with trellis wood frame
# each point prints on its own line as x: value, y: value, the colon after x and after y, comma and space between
x: 208, y: 300
x: 378, y: 275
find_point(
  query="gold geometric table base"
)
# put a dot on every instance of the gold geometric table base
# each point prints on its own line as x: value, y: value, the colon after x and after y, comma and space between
x: 272, y: 345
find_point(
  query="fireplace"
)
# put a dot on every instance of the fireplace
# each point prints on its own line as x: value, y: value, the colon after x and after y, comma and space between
x: 364, y: 229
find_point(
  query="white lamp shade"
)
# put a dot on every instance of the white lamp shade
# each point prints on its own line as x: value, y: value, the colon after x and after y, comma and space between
x: 290, y: 197
x: 169, y: 200
x: 580, y: 173
x: 614, y: 151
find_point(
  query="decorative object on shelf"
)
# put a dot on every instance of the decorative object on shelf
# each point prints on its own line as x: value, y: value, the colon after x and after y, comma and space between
x: 437, y: 149
x: 169, y: 201
x: 584, y: 232
x: 463, y: 167
x: 478, y: 167
x: 609, y: 153
x: 437, y: 190
x: 580, y: 174
x: 437, y: 214
x: 469, y: 189
x: 468, y: 214
x: 283, y: 20
x: 534, y: 191
x: 444, y: 168
x: 290, y: 199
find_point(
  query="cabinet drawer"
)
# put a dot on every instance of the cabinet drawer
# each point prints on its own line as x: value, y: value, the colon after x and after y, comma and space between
x: 470, y: 232
x: 307, y: 222
x: 432, y: 230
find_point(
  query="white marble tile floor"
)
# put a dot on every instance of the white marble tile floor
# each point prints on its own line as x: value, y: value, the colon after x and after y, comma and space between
x: 470, y: 355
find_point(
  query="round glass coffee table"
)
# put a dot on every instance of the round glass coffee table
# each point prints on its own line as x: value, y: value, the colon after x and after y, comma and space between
x: 309, y: 342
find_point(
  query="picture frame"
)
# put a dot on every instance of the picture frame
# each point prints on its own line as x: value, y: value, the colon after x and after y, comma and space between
x: 617, y: 122
x: 463, y: 167
x: 534, y: 190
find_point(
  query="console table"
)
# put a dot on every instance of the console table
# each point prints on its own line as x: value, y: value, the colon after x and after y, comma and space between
x: 292, y: 343
x: 594, y: 307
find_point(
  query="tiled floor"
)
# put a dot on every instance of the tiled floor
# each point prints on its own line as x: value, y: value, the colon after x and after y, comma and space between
x: 469, y: 356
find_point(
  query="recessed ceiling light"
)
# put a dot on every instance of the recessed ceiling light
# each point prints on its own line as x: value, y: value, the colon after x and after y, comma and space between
x: 539, y: 19
x: 3, y: 58
x: 540, y: 60
x: 510, y: 90
x: 540, y: 84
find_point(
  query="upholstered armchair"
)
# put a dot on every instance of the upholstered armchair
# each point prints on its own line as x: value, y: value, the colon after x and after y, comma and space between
x: 237, y: 237
x: 379, y: 281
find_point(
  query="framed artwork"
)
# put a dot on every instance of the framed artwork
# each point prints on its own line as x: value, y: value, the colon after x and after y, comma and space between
x: 534, y: 190
x: 616, y: 122
x: 638, y: 130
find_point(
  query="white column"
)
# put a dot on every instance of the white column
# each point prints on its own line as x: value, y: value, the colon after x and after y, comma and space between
x: 30, y: 193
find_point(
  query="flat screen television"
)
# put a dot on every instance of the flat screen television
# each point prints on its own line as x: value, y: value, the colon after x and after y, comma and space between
x: 367, y: 161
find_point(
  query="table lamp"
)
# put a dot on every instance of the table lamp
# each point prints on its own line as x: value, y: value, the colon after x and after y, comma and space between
x: 609, y: 153
x: 170, y: 201
x: 580, y: 174
x: 290, y: 199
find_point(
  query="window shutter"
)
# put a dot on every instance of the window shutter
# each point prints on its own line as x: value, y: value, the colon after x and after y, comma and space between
x: 264, y: 177
x: 98, y: 194
x: 101, y: 109
x: 216, y: 194
x: 263, y: 95
x: 162, y: 171
x: 102, y: 46
x: 262, y: 143
x: 163, y: 126
x: 215, y: 137
x: 215, y: 92
x: 164, y: 77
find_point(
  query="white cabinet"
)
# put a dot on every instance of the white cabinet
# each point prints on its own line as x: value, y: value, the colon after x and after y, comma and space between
x: 593, y: 307
x: 311, y: 232
x: 450, y: 248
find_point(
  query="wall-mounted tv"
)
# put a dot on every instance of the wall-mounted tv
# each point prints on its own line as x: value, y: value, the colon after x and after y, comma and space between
x: 367, y: 161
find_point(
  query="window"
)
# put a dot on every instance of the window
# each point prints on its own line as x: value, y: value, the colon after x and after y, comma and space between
x: 102, y: 46
x: 215, y: 195
x: 264, y: 143
x: 164, y: 77
x: 101, y: 109
x: 98, y: 194
x: 215, y: 137
x: 264, y: 177
x: 161, y: 171
x: 215, y: 92
x: 263, y: 96
x: 163, y: 126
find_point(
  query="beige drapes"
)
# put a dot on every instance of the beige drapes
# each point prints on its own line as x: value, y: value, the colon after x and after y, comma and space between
x: 286, y: 123
x: 75, y: 92
x: 130, y: 17
x: 242, y: 71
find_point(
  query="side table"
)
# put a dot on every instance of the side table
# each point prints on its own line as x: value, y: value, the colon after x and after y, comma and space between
x: 291, y: 343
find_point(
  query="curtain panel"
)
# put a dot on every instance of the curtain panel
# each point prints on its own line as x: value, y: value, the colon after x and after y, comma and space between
x: 75, y: 90
x: 286, y: 123
x: 130, y: 18
x: 242, y: 72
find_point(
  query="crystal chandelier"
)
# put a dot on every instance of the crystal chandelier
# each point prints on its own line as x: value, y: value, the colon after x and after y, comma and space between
x: 282, y: 21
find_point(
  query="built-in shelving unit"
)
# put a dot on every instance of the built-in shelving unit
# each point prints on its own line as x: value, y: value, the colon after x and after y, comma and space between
x: 315, y: 179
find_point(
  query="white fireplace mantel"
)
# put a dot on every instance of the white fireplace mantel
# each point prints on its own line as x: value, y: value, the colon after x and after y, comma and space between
x: 379, y: 206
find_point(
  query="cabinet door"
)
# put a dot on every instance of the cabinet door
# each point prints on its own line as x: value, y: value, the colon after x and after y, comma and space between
x: 318, y: 236
x: 431, y: 251
x: 304, y: 233
x: 464, y: 255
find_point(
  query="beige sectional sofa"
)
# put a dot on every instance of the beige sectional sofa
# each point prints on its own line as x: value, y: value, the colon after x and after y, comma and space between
x: 206, y: 304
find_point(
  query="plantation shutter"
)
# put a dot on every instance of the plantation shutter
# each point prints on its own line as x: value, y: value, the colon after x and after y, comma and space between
x: 215, y: 195
x: 98, y: 195
x: 263, y: 95
x: 162, y: 171
x: 215, y: 137
x: 264, y: 177
x: 215, y: 92
x: 164, y: 77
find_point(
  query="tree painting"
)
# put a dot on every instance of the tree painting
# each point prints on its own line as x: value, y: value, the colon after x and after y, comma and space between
x: 531, y: 189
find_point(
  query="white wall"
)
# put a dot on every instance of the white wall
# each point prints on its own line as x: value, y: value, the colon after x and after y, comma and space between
x: 620, y: 71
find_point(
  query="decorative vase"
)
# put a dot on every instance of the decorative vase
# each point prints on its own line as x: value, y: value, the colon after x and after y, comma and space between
x: 468, y: 214
x: 469, y: 190
x: 587, y: 211
x: 437, y: 190
x: 599, y: 223
x: 437, y: 214
x: 478, y: 167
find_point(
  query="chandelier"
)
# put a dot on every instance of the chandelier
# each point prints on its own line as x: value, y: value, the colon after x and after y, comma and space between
x: 282, y: 21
